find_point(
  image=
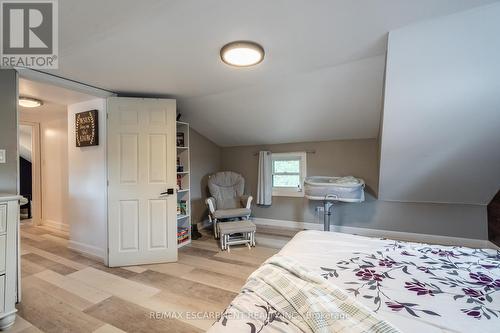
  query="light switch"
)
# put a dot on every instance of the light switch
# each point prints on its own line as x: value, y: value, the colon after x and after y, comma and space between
x: 2, y: 156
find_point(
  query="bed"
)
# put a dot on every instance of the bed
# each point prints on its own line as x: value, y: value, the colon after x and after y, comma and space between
x: 399, y: 286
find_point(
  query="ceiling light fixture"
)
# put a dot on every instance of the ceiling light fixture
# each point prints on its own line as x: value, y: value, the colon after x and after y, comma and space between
x: 242, y: 53
x: 28, y: 102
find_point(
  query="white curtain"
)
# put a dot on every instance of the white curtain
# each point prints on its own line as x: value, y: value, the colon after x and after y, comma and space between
x: 265, y: 181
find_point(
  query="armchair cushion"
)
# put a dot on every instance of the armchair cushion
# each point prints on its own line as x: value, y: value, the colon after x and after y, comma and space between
x: 235, y: 227
x: 231, y: 213
x: 227, y: 188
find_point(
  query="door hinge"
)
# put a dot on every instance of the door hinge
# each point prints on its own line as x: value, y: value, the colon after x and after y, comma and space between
x: 107, y: 182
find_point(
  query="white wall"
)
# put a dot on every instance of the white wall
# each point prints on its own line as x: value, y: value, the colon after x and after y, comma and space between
x: 54, y: 165
x: 54, y: 159
x: 25, y: 141
x: 87, y: 185
x: 441, y: 120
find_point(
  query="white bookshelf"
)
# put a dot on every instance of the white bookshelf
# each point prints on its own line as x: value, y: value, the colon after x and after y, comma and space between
x: 184, y: 191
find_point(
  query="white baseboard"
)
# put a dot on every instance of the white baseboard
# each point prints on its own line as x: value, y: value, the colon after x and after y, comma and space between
x: 399, y: 235
x: 90, y: 251
x: 56, y: 225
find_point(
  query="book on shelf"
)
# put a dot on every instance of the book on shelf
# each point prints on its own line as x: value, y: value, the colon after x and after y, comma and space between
x: 182, y: 234
x: 180, y: 139
x: 179, y: 182
x: 181, y: 207
x: 180, y: 241
x: 180, y: 167
x: 181, y: 231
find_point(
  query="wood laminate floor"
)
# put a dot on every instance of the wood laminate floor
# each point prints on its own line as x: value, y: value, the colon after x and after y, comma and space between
x: 63, y: 291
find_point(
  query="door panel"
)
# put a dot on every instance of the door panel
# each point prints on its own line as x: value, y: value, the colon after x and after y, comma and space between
x: 129, y: 158
x: 157, y: 231
x: 157, y: 158
x: 142, y: 223
x: 129, y: 225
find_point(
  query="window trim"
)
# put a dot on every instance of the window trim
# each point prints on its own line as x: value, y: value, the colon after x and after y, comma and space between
x: 290, y: 191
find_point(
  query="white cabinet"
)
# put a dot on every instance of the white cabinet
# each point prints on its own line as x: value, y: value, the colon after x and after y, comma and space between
x: 3, y: 239
x: 9, y: 258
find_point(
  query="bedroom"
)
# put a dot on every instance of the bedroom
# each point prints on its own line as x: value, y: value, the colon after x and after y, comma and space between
x: 401, y: 95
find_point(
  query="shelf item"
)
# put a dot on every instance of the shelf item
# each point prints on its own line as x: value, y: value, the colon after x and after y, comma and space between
x: 182, y: 208
x: 183, y: 236
x: 184, y: 243
x: 183, y: 185
x: 181, y: 139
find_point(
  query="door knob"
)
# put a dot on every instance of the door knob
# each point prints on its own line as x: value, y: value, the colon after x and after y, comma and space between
x: 169, y: 191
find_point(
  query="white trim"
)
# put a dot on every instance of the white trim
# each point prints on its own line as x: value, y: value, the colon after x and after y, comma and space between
x: 406, y: 236
x: 56, y: 225
x: 287, y: 192
x: 287, y: 224
x: 90, y: 251
x: 291, y: 191
x: 34, y: 75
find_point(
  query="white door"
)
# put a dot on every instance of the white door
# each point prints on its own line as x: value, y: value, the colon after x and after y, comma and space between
x: 142, y: 224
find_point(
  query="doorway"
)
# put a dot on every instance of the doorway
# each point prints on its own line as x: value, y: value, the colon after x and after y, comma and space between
x: 72, y: 180
x: 29, y: 172
x: 43, y: 162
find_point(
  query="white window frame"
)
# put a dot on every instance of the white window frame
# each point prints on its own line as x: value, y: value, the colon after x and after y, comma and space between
x: 291, y: 191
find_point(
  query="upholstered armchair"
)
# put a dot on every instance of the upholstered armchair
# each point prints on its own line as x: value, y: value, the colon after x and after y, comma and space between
x: 227, y: 200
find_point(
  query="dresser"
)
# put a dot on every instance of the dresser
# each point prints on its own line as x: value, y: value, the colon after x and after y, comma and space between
x: 9, y: 258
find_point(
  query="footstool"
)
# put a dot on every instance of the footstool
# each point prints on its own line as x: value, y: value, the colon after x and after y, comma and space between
x: 237, y: 232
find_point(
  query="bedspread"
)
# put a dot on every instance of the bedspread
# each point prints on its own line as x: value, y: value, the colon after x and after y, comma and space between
x: 416, y: 287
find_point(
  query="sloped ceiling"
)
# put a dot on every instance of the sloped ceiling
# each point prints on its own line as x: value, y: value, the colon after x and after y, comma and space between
x: 321, y: 79
x: 441, y: 128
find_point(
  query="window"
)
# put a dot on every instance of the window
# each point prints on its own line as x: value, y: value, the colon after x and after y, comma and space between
x: 289, y: 171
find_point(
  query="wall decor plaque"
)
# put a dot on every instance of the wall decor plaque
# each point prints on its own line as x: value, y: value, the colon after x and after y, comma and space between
x: 87, y: 129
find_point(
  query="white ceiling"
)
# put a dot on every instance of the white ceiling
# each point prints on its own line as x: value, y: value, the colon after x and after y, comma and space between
x: 50, y: 94
x: 48, y: 111
x: 55, y: 100
x: 321, y: 78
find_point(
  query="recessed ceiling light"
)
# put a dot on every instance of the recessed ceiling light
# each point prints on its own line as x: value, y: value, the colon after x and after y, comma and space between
x: 28, y: 102
x: 242, y: 53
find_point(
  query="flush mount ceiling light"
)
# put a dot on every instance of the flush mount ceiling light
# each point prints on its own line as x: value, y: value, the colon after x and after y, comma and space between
x: 242, y: 53
x: 28, y: 102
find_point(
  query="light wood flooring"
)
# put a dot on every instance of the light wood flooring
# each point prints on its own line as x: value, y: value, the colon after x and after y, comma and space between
x: 63, y: 291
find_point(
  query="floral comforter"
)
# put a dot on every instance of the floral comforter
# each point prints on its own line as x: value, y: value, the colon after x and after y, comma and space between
x: 416, y: 287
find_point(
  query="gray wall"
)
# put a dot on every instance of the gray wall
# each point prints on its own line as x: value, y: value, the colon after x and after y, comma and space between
x: 358, y: 158
x: 441, y: 121
x: 332, y: 158
x: 8, y: 130
x: 205, y: 160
